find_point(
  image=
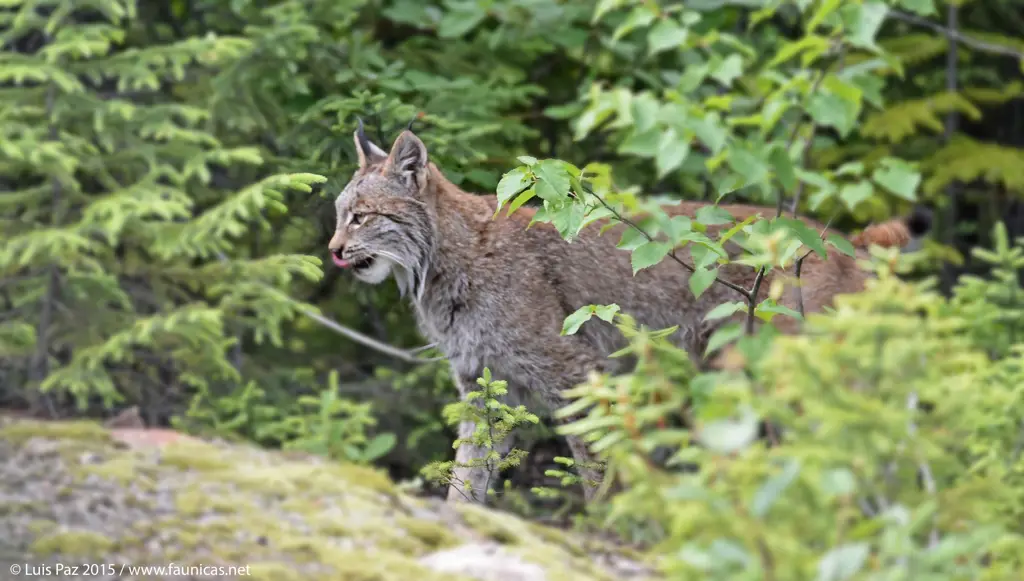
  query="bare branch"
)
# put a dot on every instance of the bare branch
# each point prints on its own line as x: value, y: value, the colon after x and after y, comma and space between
x: 954, y: 35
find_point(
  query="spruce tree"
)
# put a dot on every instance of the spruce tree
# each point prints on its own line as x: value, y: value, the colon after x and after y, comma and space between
x: 120, y: 271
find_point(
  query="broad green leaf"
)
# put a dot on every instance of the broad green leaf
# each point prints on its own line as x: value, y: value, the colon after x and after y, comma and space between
x: 462, y: 20
x: 748, y: 164
x: 713, y: 215
x: 646, y: 144
x: 527, y: 160
x: 728, y: 70
x: 841, y: 244
x: 838, y: 482
x: 783, y: 168
x: 512, y: 183
x: 899, y: 177
x: 520, y: 200
x: 919, y: 7
x: 843, y: 562
x: 649, y: 254
x: 811, y: 43
x: 665, y: 35
x: 853, y: 194
x: 770, y: 491
x: 867, y: 19
x: 809, y: 236
x: 672, y: 150
x: 725, y: 310
x: 574, y: 321
x: 830, y: 110
x: 723, y: 336
x: 640, y: 17
x: 552, y: 180
x: 768, y: 308
x: 380, y: 445
x: 710, y: 132
x: 729, y: 436
x: 701, y: 279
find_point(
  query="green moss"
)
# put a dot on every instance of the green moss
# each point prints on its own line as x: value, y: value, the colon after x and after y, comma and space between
x: 124, y: 468
x: 73, y: 543
x: 493, y: 525
x: 553, y: 536
x: 433, y: 535
x: 274, y: 571
x: 83, y: 432
x: 381, y: 566
x: 194, y: 456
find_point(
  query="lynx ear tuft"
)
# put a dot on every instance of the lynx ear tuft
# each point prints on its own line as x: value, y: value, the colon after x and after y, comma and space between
x: 408, y: 158
x: 368, y: 152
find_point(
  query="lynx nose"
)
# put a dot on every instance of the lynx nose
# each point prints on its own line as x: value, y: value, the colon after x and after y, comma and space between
x: 337, y: 247
x: 337, y: 243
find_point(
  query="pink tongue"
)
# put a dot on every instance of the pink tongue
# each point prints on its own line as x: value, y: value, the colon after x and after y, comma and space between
x: 340, y: 262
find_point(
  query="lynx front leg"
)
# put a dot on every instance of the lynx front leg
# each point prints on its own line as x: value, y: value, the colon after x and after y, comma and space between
x: 472, y: 474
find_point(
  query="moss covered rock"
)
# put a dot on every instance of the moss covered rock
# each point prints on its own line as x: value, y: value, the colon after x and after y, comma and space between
x: 75, y: 494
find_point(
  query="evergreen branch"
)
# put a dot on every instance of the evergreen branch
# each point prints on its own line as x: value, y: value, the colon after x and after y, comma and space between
x: 981, y: 45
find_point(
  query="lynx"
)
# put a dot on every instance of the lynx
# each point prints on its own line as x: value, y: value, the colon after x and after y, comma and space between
x: 491, y: 293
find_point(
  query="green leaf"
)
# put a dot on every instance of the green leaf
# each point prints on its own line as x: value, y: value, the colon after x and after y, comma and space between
x: 853, y: 194
x: 701, y: 279
x: 843, y: 562
x: 462, y: 20
x: 831, y: 110
x: 646, y: 144
x: 770, y: 491
x: 527, y: 160
x: 713, y: 216
x: 573, y: 322
x: 723, y: 336
x: 919, y: 7
x: 725, y: 310
x: 728, y: 70
x: 672, y: 151
x: 552, y: 180
x: 665, y: 35
x: 841, y: 244
x: 867, y: 20
x: 899, y: 177
x: 710, y: 132
x: 606, y: 312
x: 838, y: 482
x: 380, y: 445
x: 632, y: 238
x: 804, y: 233
x: 512, y: 183
x: 520, y: 200
x: 640, y: 17
x: 768, y: 308
x: 783, y: 168
x: 729, y: 436
x: 648, y: 254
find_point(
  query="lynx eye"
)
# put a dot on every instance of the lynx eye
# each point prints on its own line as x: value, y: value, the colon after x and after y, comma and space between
x: 356, y: 219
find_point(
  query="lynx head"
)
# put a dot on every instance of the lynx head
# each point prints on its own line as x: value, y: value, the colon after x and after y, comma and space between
x: 383, y: 224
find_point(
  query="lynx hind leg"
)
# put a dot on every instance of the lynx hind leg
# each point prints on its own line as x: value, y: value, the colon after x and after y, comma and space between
x: 471, y: 477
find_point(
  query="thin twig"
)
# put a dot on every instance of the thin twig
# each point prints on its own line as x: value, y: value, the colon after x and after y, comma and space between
x: 365, y: 340
x: 974, y: 43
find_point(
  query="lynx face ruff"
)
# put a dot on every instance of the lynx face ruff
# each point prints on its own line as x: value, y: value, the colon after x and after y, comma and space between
x: 491, y: 293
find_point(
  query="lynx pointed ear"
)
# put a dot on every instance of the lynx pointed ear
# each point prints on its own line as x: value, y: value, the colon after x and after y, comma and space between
x: 368, y: 152
x: 408, y: 158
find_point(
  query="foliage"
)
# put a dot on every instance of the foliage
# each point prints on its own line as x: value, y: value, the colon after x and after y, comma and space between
x: 897, y: 455
x: 493, y: 420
